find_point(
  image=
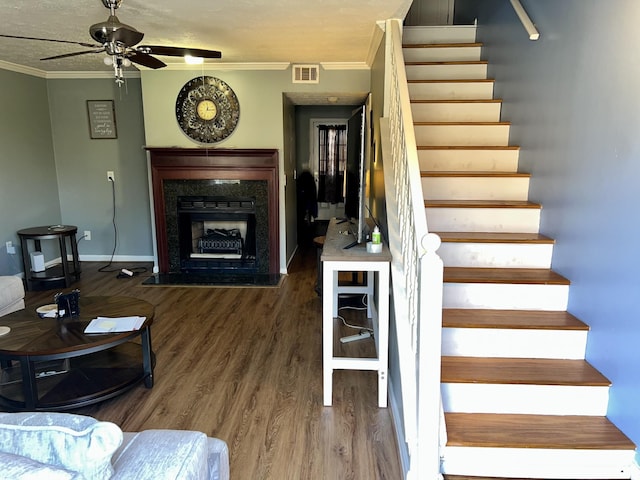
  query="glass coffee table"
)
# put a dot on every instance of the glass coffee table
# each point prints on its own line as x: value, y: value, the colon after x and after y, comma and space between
x: 50, y: 364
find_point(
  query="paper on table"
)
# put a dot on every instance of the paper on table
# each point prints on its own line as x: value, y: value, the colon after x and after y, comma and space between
x: 114, y: 324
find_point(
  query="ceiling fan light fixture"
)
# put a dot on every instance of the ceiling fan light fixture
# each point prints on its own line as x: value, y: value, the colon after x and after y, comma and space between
x: 193, y: 60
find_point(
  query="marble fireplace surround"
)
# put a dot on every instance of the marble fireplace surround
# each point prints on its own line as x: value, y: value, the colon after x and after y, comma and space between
x: 167, y: 164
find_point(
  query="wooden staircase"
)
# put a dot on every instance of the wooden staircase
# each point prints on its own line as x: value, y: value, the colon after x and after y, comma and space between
x: 520, y: 400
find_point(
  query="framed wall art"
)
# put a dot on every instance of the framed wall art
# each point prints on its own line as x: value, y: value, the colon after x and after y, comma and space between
x: 102, y: 119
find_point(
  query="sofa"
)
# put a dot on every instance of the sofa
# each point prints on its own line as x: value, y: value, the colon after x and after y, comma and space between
x: 66, y: 446
x: 11, y: 294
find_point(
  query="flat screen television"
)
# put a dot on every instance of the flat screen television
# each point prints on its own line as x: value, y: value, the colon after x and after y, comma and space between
x: 355, y: 176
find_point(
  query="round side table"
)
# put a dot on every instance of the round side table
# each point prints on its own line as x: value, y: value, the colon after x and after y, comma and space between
x: 66, y: 271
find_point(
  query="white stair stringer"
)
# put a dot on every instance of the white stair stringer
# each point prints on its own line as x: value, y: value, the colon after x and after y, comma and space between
x: 459, y: 129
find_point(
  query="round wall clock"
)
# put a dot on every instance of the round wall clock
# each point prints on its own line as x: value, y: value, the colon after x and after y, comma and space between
x: 207, y: 109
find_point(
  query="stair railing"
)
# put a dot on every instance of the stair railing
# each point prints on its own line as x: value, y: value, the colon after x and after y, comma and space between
x: 528, y: 25
x: 416, y: 271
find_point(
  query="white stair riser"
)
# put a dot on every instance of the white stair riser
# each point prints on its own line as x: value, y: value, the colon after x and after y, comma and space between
x: 462, y: 135
x: 514, y: 343
x: 456, y: 112
x: 475, y: 188
x: 505, y: 297
x: 438, y: 34
x: 536, y: 462
x: 451, y: 91
x: 496, y: 255
x: 468, y: 160
x: 442, y: 54
x: 525, y: 399
x: 517, y: 220
x: 447, y: 72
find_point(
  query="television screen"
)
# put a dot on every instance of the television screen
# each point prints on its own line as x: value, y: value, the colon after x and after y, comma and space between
x: 355, y: 171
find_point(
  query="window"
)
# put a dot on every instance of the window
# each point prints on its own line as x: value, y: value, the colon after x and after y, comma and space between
x: 332, y: 158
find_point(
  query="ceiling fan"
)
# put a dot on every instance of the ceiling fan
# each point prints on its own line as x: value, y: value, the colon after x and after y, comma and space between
x: 120, y: 42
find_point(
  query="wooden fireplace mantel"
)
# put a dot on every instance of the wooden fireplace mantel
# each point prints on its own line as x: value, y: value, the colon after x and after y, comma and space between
x: 213, y: 164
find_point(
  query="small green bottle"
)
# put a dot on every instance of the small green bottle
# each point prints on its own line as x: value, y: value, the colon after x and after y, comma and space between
x: 375, y: 236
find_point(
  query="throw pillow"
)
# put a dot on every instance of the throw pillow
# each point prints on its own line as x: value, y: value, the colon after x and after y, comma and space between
x: 74, y: 442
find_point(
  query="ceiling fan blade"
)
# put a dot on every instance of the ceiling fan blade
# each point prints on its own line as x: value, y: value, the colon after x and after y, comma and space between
x: 82, y: 44
x: 179, y: 51
x: 74, y: 54
x: 145, y: 60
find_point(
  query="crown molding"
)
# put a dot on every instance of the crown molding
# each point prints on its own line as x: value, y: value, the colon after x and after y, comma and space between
x: 14, y: 67
x: 345, y: 65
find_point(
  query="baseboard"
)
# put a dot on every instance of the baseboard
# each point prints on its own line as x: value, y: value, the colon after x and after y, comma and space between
x: 116, y: 258
x: 403, y: 451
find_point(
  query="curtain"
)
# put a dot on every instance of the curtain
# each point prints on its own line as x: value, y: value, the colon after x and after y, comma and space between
x: 332, y: 150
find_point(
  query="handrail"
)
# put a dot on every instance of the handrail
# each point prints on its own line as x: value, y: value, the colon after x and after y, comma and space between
x: 526, y: 21
x: 416, y: 269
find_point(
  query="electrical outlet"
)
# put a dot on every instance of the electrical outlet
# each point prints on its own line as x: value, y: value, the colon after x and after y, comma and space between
x: 11, y: 250
x: 110, y: 176
x: 87, y: 234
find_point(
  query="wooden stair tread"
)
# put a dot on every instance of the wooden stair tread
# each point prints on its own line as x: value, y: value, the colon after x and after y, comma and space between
x: 510, y: 319
x: 466, y: 477
x: 534, y: 431
x: 468, y: 147
x: 441, y: 45
x: 494, y: 237
x: 481, y: 204
x: 521, y: 371
x: 477, y: 173
x: 483, y: 124
x: 452, y: 62
x: 456, y: 100
x: 528, y: 276
x: 453, y: 80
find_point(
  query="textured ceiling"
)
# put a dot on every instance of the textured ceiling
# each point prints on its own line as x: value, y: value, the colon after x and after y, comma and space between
x: 246, y: 31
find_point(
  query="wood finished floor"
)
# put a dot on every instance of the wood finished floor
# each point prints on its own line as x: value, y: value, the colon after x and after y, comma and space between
x: 245, y: 365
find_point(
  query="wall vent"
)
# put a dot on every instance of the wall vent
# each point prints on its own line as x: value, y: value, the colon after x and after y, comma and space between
x: 306, y: 74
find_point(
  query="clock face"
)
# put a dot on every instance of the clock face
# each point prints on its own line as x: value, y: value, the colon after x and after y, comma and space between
x: 207, y: 109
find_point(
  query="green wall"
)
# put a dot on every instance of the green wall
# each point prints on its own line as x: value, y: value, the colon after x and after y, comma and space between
x: 264, y: 120
x: 28, y: 186
x: 55, y: 173
x: 86, y: 196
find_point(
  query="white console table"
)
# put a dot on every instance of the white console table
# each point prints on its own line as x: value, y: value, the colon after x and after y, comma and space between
x: 335, y: 259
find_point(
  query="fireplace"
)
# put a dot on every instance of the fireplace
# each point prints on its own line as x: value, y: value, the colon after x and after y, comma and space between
x: 216, y: 211
x: 217, y: 234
